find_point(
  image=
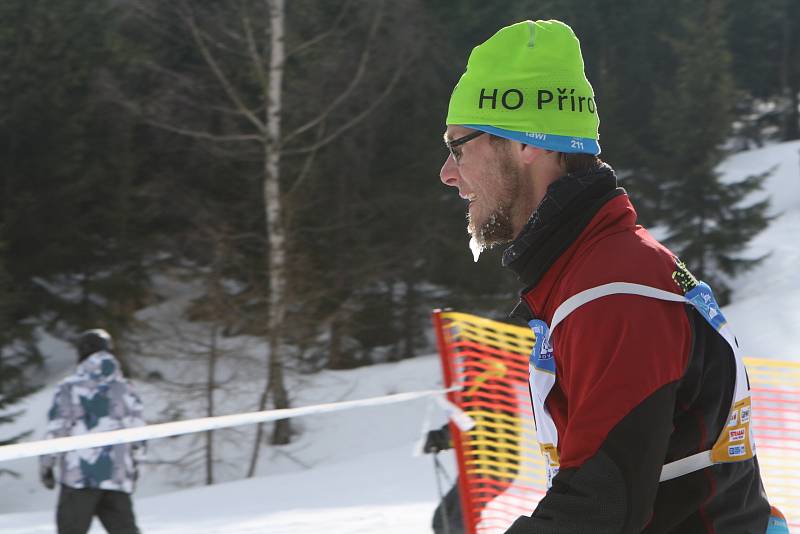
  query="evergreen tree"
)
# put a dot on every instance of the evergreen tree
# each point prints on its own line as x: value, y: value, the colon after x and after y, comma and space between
x: 765, y: 46
x: 709, y: 221
x: 74, y: 204
x: 19, y: 358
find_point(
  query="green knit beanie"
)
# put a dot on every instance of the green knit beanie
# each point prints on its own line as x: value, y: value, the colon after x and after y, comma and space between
x: 526, y: 83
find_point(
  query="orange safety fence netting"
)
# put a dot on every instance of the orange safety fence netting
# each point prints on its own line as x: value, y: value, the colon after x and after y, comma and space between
x: 502, y: 472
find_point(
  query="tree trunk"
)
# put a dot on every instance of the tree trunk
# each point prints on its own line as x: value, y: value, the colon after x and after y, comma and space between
x: 210, y: 387
x: 2, y: 357
x: 409, y: 316
x: 276, y: 236
x: 789, y: 82
x: 335, y: 356
x: 792, y: 128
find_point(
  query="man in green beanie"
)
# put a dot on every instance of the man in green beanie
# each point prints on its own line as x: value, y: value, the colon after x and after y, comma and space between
x: 640, y: 396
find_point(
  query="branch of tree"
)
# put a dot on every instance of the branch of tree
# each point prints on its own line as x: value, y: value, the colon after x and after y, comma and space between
x: 255, y: 57
x: 221, y: 77
x: 355, y: 120
x: 362, y: 66
x: 324, y: 35
x: 198, y: 134
x: 307, y: 164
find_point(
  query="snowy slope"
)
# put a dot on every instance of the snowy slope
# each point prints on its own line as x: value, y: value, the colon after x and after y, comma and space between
x: 353, y: 472
x: 362, y: 475
x: 388, y: 491
x: 765, y: 309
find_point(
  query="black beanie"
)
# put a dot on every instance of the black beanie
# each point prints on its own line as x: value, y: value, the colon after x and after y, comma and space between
x: 92, y: 341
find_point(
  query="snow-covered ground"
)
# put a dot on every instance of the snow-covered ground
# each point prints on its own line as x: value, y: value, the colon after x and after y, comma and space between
x: 388, y: 491
x: 765, y: 309
x: 354, y: 472
x: 362, y: 474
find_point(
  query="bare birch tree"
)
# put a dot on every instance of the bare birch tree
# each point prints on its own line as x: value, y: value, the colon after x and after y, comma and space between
x: 244, y: 48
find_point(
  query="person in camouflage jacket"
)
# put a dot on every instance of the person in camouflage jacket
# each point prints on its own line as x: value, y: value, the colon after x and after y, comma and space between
x: 97, y: 481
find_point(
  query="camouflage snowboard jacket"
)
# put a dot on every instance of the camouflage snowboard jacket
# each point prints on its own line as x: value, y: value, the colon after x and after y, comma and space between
x: 96, y: 398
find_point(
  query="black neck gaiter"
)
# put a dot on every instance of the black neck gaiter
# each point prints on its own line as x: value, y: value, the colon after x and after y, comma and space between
x: 566, y: 209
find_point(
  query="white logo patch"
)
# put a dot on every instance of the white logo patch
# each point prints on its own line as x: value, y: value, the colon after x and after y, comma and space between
x: 736, y: 435
x: 745, y: 414
x: 734, y: 418
x: 737, y: 450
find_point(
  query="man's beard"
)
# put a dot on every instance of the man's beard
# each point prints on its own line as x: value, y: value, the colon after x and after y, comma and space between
x: 497, y: 228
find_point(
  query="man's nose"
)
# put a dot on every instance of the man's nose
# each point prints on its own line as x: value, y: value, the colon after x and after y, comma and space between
x: 449, y: 173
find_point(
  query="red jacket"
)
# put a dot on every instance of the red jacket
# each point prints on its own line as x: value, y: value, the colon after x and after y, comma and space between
x: 640, y: 382
x: 611, y: 354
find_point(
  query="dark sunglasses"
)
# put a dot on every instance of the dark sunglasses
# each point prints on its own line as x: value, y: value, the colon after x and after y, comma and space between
x: 452, y: 145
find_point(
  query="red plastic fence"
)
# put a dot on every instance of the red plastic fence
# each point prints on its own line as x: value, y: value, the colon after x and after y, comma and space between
x: 502, y: 473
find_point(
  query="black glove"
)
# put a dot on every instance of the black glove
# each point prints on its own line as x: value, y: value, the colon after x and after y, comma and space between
x: 47, y: 477
x: 437, y: 440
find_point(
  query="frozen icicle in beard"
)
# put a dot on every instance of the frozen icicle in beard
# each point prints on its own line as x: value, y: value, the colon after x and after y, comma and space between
x: 504, y: 184
x: 476, y: 248
x: 496, y: 230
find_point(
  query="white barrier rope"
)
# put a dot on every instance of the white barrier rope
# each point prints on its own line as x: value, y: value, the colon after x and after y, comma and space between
x: 163, y: 430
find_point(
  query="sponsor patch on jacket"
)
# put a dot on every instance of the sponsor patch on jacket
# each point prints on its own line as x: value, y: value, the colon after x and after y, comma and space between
x: 733, y: 420
x: 542, y: 353
x: 737, y: 450
x: 745, y: 414
x: 737, y: 434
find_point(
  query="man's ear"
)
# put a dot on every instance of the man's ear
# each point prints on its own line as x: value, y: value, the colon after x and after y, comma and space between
x: 528, y: 153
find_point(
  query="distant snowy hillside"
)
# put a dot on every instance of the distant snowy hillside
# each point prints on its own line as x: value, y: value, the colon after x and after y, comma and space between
x: 765, y: 308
